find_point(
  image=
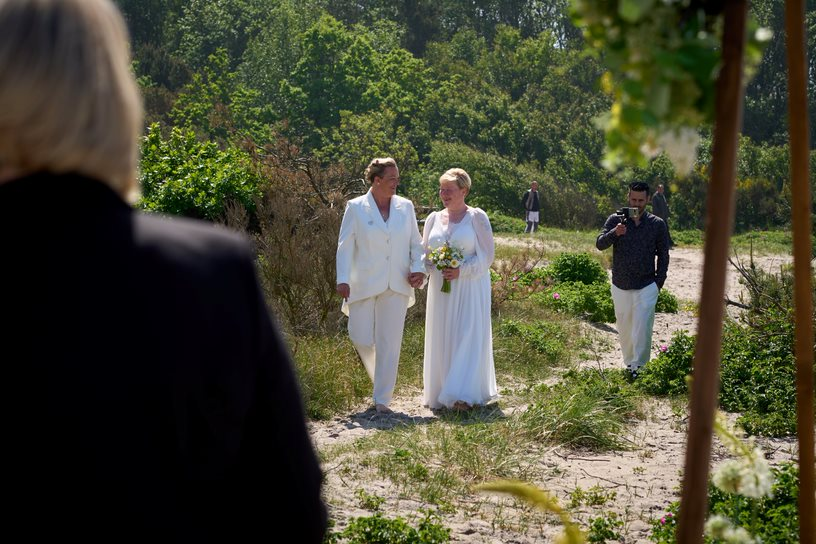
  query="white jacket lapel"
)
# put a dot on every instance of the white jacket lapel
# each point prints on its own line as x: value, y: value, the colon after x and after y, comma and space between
x: 374, y: 216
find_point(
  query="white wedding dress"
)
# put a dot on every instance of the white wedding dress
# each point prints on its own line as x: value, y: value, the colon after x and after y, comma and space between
x: 458, y: 364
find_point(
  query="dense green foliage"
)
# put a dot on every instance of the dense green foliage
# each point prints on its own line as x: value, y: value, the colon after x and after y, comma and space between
x: 378, y: 529
x: 592, y: 302
x: 577, y: 284
x: 501, y: 89
x: 758, y: 368
x: 667, y: 374
x: 578, y: 267
x: 546, y: 338
x: 772, y: 519
x: 183, y: 176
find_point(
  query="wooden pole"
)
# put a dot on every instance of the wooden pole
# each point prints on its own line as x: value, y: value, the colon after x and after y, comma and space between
x: 719, y: 225
x: 800, y: 204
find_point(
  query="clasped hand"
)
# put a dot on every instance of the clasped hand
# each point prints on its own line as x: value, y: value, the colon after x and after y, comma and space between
x: 450, y: 273
x: 416, y: 279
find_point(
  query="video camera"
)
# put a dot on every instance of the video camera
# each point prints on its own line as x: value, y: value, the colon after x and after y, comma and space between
x: 626, y: 213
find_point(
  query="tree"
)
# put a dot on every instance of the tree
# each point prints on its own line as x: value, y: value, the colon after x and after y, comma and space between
x: 766, y: 97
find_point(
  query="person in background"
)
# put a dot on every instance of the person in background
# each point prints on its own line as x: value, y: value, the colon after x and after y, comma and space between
x: 532, y: 206
x: 458, y: 364
x: 661, y: 209
x: 640, y: 261
x: 379, y: 263
x: 149, y: 393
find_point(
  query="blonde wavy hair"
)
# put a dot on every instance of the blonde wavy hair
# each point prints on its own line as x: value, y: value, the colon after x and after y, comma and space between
x: 69, y: 99
x: 458, y: 176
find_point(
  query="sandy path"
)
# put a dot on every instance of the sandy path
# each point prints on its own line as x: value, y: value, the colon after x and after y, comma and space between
x: 644, y: 480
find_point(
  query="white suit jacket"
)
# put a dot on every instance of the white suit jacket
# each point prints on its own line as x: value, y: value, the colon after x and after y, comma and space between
x: 373, y: 255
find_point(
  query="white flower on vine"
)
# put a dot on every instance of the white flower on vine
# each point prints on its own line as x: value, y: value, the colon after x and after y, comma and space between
x: 650, y: 149
x: 680, y: 146
x: 749, y: 474
x: 721, y: 528
x: 757, y: 478
x: 728, y: 476
x: 763, y: 34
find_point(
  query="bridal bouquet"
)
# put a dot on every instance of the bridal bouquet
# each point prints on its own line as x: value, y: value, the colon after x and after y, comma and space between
x: 446, y: 256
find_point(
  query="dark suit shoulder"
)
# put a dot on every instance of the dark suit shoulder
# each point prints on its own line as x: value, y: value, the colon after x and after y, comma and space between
x: 183, y: 238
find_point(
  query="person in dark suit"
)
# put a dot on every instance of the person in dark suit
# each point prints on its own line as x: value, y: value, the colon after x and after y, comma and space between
x: 661, y: 209
x: 532, y: 207
x: 148, y: 393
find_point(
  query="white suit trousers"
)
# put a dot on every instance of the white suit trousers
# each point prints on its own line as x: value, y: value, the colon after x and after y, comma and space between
x: 375, y: 328
x: 634, y: 314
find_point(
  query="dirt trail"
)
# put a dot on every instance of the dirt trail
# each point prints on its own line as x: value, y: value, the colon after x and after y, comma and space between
x: 644, y: 479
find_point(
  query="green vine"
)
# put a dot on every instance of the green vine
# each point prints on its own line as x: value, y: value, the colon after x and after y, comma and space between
x: 663, y: 57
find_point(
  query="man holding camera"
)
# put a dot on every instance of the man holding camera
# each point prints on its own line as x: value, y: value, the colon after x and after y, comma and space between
x: 637, y: 238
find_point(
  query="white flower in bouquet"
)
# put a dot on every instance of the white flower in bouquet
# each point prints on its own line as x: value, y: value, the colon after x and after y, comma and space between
x: 446, y: 256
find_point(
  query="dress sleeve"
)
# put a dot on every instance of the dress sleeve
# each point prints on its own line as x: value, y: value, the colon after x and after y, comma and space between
x: 480, y: 262
x: 417, y: 246
x: 426, y: 234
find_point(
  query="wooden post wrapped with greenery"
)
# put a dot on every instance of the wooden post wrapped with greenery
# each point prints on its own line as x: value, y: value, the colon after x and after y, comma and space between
x: 800, y: 204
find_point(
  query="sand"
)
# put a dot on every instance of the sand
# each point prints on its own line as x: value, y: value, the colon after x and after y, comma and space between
x: 645, y: 479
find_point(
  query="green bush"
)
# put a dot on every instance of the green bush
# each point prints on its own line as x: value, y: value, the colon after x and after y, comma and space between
x: 771, y: 519
x: 377, y: 529
x: 758, y: 378
x: 664, y: 528
x: 604, y: 528
x: 546, y: 338
x: 666, y: 375
x: 506, y: 224
x: 588, y: 301
x: 666, y: 302
x: 577, y: 267
x: 536, y: 275
x: 757, y: 369
x: 687, y: 237
x: 182, y: 176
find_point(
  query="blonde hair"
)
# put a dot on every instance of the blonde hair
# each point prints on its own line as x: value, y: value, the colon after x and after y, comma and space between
x: 376, y: 168
x: 70, y: 102
x: 458, y: 176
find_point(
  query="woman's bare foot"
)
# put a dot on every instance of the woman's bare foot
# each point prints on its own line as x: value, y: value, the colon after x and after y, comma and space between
x: 461, y: 406
x: 383, y: 409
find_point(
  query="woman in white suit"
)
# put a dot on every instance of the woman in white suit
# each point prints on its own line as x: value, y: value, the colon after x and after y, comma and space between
x: 379, y: 263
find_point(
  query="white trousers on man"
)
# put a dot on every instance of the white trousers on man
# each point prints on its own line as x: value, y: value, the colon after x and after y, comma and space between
x: 634, y: 315
x: 375, y: 328
x: 532, y: 222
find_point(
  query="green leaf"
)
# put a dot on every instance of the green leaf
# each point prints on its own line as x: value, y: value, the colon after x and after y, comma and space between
x: 659, y: 98
x: 632, y: 10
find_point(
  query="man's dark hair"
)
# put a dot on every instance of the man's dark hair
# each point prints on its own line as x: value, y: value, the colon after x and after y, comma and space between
x: 639, y: 187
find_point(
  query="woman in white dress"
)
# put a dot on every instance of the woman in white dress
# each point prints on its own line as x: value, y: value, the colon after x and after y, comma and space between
x: 458, y: 364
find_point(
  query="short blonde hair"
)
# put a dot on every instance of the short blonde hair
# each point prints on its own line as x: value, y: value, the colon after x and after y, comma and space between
x: 69, y: 99
x: 458, y: 176
x: 376, y: 168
